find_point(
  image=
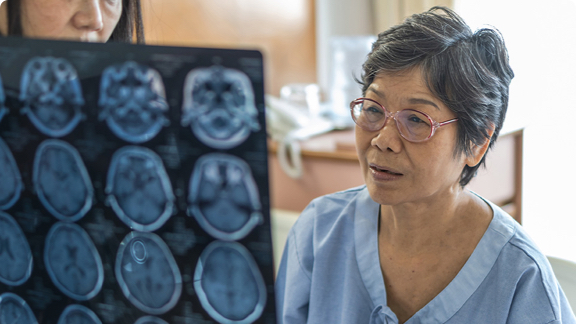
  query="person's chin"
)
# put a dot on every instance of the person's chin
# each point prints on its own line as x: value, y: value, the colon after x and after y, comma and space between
x: 384, y: 193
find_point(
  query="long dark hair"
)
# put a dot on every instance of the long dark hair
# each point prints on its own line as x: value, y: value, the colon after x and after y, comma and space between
x: 129, y: 26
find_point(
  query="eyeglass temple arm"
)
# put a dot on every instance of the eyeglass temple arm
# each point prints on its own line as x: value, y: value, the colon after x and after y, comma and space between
x: 446, y: 122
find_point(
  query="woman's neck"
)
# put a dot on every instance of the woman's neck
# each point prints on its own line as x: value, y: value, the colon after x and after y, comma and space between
x: 4, y: 18
x: 412, y: 229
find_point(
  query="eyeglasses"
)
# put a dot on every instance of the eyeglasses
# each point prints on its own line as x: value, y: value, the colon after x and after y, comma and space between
x: 413, y: 125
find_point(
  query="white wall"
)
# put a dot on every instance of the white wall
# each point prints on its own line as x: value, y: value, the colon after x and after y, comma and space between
x: 541, y: 39
x: 338, y: 18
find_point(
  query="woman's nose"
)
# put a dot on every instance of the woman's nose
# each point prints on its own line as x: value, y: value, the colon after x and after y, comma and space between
x: 388, y: 138
x: 89, y: 15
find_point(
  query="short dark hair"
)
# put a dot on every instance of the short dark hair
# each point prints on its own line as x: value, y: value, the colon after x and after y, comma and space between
x: 129, y: 26
x: 468, y: 71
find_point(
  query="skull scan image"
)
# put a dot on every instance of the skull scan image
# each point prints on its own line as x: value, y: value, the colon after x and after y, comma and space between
x: 3, y: 109
x: 10, y: 180
x: 139, y: 189
x: 72, y: 261
x: 15, y: 253
x: 14, y: 310
x: 147, y: 273
x: 229, y: 284
x: 51, y: 94
x: 150, y: 320
x: 78, y: 314
x: 61, y: 180
x: 219, y: 106
x: 223, y: 197
x: 133, y: 101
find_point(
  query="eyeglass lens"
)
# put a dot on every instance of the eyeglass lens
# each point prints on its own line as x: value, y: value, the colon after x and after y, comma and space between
x: 413, y: 125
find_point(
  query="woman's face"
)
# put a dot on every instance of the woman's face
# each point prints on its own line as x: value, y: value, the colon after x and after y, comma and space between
x: 397, y: 171
x: 78, y: 20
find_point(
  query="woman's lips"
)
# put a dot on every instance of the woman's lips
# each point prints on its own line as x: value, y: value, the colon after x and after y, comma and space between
x: 384, y: 173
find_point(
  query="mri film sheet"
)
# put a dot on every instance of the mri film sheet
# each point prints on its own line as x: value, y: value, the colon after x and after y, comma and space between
x: 133, y: 185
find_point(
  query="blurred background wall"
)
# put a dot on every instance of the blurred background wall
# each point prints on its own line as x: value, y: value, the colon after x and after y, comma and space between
x: 282, y: 29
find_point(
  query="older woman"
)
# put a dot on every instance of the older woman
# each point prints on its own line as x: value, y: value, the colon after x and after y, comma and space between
x: 79, y: 20
x: 413, y: 245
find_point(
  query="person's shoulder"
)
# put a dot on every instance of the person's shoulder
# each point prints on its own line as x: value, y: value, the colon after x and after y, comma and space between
x: 326, y: 211
x: 338, y: 199
x: 332, y: 205
x: 530, y: 272
x: 519, y: 246
x: 522, y: 245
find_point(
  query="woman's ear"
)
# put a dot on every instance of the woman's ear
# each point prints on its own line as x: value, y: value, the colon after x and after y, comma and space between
x: 478, y: 151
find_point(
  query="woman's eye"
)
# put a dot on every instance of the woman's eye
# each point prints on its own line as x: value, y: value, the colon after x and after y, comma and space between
x: 372, y: 110
x: 417, y: 120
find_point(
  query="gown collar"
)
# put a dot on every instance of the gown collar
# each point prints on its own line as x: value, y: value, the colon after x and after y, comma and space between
x: 459, y: 290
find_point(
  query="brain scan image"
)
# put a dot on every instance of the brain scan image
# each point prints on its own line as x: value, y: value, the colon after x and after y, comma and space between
x: 150, y: 320
x: 223, y: 197
x: 3, y: 109
x: 15, y: 253
x: 139, y: 189
x: 51, y: 94
x: 147, y: 273
x: 219, y: 106
x: 228, y: 283
x: 78, y: 314
x: 72, y: 261
x: 61, y: 180
x: 14, y: 310
x: 132, y: 101
x: 10, y: 180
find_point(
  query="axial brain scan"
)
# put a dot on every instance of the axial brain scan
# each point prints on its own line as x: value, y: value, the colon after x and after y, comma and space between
x: 3, y: 109
x: 229, y: 284
x: 147, y: 273
x: 15, y: 253
x: 139, y: 189
x: 133, y: 101
x: 223, y: 196
x: 72, y: 261
x: 51, y: 94
x: 61, y: 180
x: 78, y: 314
x: 14, y: 310
x: 150, y: 320
x: 219, y: 106
x: 10, y: 179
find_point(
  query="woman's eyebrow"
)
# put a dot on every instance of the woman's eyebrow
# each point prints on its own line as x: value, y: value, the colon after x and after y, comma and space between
x: 420, y: 101
x: 376, y: 92
x: 413, y: 101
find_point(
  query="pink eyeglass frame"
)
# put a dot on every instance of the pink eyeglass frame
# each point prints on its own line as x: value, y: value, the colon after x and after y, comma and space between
x: 434, y: 124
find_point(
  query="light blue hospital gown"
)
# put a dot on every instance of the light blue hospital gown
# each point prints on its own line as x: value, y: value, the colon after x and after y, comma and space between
x: 330, y: 273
